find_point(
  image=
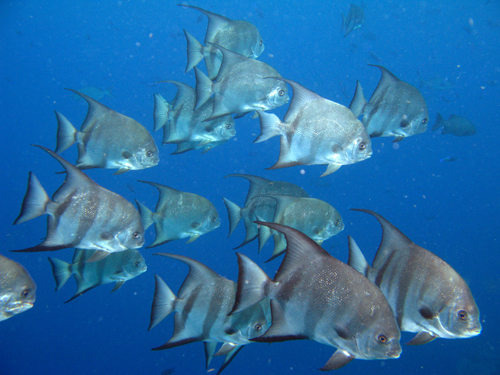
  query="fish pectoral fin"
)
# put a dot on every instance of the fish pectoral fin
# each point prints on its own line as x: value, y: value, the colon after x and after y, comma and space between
x: 339, y: 359
x: 122, y: 170
x: 193, y: 237
x: 427, y: 313
x: 421, y: 338
x: 118, y: 285
x: 343, y: 332
x: 98, y: 255
x: 330, y: 169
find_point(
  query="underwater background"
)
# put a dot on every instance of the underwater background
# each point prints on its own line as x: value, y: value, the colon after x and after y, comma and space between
x: 442, y: 191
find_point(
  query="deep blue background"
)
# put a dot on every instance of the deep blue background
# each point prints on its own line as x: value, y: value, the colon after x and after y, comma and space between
x: 450, y: 208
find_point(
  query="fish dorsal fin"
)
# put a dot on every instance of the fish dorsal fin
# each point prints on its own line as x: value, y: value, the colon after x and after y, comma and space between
x: 166, y: 193
x: 387, y: 79
x: 215, y: 22
x: 301, y: 96
x: 229, y: 59
x: 256, y: 184
x: 282, y: 202
x: 392, y: 239
x: 74, y: 177
x: 184, y: 94
x: 198, y: 274
x: 300, y: 248
x: 95, y: 110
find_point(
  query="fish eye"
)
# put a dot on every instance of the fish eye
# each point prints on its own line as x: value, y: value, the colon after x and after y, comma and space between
x: 281, y: 92
x: 257, y: 327
x: 137, y: 264
x: 149, y: 154
x: 424, y: 121
x: 337, y: 222
x: 362, y: 146
x: 229, y: 126
x: 214, y: 219
x: 261, y: 42
x: 462, y: 315
x: 25, y: 293
x: 136, y: 235
x: 382, y: 339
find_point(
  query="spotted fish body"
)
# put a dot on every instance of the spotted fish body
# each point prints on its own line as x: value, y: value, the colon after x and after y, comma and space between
x: 202, y: 307
x: 315, y: 296
x: 396, y: 108
x: 242, y: 85
x: 316, y: 131
x: 17, y: 289
x: 315, y: 218
x: 426, y: 294
x: 107, y: 139
x: 179, y: 215
x: 82, y: 214
x: 238, y: 36
x: 185, y: 126
x: 116, y: 268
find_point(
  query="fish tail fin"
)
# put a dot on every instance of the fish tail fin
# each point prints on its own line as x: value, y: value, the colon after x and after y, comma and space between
x: 203, y: 88
x: 234, y: 215
x: 146, y: 215
x: 439, y: 122
x: 358, y: 101
x: 195, y: 51
x: 253, y: 284
x: 162, y: 108
x: 35, y: 201
x: 356, y: 258
x: 66, y: 133
x: 163, y: 302
x: 61, y: 271
x: 269, y: 126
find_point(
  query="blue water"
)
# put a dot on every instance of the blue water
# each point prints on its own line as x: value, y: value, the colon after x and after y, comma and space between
x: 450, y: 208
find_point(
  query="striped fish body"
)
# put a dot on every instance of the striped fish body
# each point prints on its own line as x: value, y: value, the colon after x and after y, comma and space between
x: 82, y: 214
x: 202, y: 307
x: 315, y: 296
x: 426, y: 294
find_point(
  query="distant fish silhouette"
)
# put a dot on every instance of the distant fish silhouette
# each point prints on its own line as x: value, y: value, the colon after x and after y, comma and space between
x: 456, y: 125
x: 354, y: 19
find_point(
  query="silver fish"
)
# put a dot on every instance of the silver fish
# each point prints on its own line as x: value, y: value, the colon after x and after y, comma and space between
x: 107, y: 139
x: 396, y: 108
x: 179, y: 215
x: 241, y: 86
x: 354, y: 19
x: 456, y: 125
x: 17, y: 289
x: 315, y: 218
x: 425, y: 293
x: 186, y: 126
x: 315, y: 296
x: 117, y: 267
x: 82, y: 214
x: 263, y: 186
x: 202, y: 306
x: 316, y: 131
x: 238, y: 36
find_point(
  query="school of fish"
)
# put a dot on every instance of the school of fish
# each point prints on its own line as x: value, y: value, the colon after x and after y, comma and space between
x: 356, y: 308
